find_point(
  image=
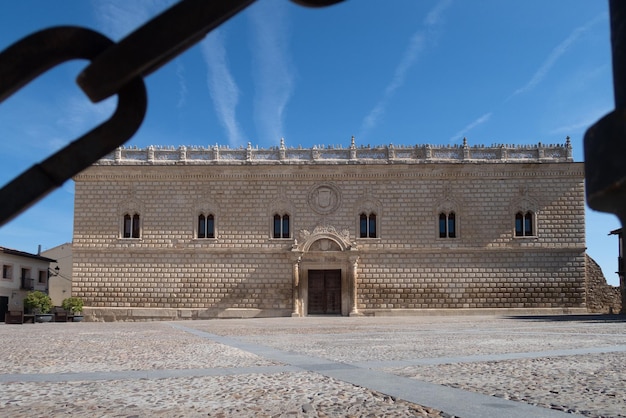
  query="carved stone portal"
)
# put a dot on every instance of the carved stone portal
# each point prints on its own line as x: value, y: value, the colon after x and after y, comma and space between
x: 324, y: 249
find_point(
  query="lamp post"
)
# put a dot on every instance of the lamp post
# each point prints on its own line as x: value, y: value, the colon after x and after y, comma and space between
x: 54, y: 272
x: 51, y: 273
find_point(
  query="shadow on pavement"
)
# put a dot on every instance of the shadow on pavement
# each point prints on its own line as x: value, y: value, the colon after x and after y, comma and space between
x: 590, y: 318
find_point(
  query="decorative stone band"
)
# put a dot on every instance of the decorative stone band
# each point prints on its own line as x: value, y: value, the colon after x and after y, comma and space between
x: 196, y: 155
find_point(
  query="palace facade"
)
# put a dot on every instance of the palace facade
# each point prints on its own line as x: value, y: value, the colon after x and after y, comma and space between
x: 164, y: 233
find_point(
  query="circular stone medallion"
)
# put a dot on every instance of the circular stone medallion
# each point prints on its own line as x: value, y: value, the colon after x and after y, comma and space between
x: 324, y: 198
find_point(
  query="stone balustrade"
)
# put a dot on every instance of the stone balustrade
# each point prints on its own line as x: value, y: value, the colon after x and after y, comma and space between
x: 198, y: 155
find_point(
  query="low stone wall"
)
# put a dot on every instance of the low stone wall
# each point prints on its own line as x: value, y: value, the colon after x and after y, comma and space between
x: 601, y: 297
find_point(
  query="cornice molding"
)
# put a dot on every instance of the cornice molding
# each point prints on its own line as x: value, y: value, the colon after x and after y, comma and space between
x: 325, y: 173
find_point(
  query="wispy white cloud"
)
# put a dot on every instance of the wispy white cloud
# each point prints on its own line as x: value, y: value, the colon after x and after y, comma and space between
x: 580, y: 124
x: 222, y: 86
x: 416, y: 45
x: 557, y: 53
x: 574, y: 127
x: 117, y: 18
x: 434, y: 18
x: 538, y: 77
x: 428, y: 34
x: 182, y: 85
x: 460, y: 134
x: 80, y: 116
x: 273, y: 73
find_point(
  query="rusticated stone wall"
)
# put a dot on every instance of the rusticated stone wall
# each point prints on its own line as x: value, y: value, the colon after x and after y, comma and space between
x: 526, y: 279
x: 168, y: 272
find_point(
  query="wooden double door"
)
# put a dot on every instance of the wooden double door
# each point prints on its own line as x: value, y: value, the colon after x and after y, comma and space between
x: 324, y: 292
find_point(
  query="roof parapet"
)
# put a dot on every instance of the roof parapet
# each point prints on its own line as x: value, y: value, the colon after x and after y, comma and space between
x: 381, y: 154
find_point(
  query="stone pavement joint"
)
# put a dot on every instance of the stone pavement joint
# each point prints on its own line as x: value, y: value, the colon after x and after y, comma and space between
x: 451, y: 400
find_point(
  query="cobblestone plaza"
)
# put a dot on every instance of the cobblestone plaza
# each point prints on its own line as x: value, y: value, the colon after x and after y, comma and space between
x: 466, y: 366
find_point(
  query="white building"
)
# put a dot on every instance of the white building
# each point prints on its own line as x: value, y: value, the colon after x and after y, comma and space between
x: 21, y: 272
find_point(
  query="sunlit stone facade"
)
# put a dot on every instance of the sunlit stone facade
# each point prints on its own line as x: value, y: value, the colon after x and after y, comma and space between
x: 218, y: 232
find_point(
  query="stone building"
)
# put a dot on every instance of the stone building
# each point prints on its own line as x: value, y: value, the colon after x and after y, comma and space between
x: 218, y: 232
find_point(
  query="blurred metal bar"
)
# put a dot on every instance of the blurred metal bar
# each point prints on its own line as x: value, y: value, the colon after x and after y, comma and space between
x: 34, y: 55
x: 154, y: 44
x: 605, y: 141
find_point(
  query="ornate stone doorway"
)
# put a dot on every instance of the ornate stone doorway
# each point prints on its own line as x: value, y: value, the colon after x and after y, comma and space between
x: 324, y: 273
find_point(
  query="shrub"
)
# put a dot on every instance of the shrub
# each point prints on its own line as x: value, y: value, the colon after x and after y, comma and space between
x: 72, y: 304
x: 38, y: 302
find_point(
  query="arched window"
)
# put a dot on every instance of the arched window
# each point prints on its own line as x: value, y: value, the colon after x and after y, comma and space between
x: 524, y: 224
x: 281, y: 226
x: 131, y: 226
x: 447, y: 225
x: 206, y: 226
x: 367, y: 225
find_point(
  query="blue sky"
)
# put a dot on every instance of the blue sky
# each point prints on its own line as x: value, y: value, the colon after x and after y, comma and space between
x: 401, y: 72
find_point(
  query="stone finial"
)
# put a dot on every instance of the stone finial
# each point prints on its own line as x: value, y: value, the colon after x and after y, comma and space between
x: 464, y: 142
x: 568, y: 149
x: 353, y: 156
x: 540, y: 151
x: 282, y: 154
x: 151, y: 153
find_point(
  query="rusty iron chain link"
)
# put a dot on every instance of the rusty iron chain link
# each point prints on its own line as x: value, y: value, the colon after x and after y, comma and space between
x: 114, y: 69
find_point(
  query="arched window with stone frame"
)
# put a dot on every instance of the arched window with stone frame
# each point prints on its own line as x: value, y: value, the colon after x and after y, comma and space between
x: 525, y: 224
x: 282, y: 227
x: 447, y: 213
x: 205, y: 218
x: 206, y: 226
x: 524, y: 210
x: 281, y: 216
x: 367, y: 225
x: 131, y: 227
x: 447, y: 224
x: 368, y: 213
x: 131, y: 218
